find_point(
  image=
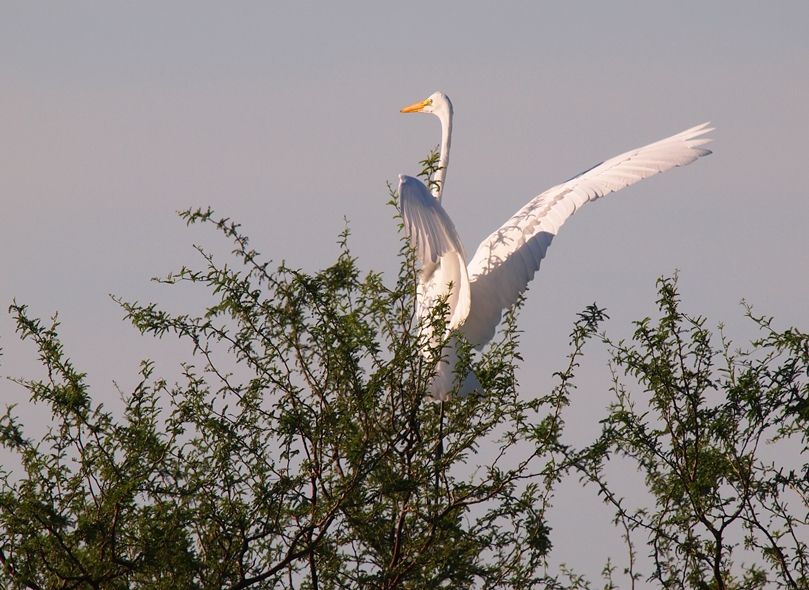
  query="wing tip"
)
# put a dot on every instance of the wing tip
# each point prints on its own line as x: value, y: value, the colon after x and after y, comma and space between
x: 695, y: 138
x: 698, y: 132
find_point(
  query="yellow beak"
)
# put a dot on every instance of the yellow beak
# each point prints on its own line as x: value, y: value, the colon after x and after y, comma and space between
x: 416, y: 107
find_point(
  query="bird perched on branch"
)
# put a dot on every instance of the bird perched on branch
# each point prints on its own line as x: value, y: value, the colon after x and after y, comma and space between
x: 477, y: 294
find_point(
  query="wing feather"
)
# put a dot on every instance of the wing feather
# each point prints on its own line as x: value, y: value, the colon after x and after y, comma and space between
x: 506, y: 261
x: 438, y: 248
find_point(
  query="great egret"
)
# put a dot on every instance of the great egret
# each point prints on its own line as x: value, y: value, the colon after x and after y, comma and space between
x: 506, y: 261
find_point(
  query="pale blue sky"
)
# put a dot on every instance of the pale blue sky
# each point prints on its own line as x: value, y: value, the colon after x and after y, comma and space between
x: 113, y: 115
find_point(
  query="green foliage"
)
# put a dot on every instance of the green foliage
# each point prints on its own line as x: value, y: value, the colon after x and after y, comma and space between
x: 429, y: 166
x: 298, y: 449
x: 717, y: 434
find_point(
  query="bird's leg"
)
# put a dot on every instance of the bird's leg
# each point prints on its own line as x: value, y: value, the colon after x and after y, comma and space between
x: 439, y: 451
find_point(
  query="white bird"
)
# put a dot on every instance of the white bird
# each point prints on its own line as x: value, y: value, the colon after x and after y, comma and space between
x: 505, y: 262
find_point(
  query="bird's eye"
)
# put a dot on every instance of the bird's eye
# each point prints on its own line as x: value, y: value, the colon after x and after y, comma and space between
x: 428, y: 102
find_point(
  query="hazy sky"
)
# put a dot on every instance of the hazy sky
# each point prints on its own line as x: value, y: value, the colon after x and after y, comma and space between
x: 114, y: 115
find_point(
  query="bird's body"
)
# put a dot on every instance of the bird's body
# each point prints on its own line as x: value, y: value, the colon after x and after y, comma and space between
x: 504, y: 263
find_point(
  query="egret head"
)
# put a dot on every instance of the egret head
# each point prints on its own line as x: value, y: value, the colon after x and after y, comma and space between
x: 437, y: 103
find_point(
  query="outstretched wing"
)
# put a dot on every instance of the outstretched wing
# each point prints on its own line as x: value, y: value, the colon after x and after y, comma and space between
x: 437, y: 247
x: 506, y: 261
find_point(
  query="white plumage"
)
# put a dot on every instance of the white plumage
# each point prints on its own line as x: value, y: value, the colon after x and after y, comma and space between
x: 504, y: 263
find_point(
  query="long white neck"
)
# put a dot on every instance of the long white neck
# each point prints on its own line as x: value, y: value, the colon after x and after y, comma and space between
x: 443, y: 158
